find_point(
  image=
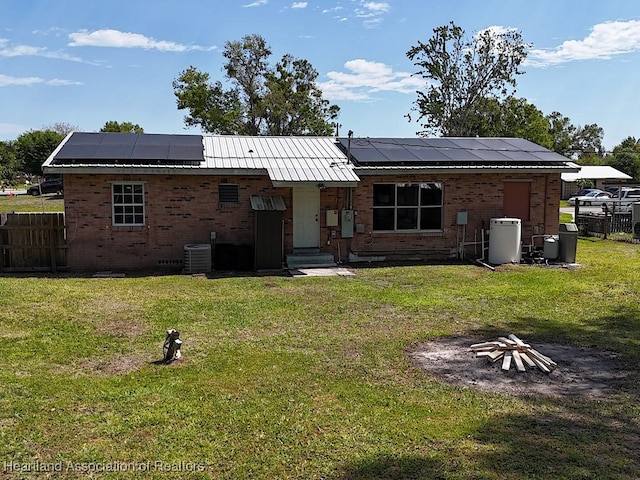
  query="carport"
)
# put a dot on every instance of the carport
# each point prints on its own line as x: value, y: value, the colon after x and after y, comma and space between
x: 599, y: 174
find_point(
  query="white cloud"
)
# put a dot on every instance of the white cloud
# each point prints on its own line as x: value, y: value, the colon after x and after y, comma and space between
x: 365, y: 78
x: 8, y: 81
x: 371, y: 12
x: 258, y: 3
x: 330, y: 10
x: 299, y: 5
x: 372, y: 9
x: 56, y: 82
x: 117, y: 39
x: 9, y: 50
x: 377, y: 7
x: 603, y: 42
x: 496, y: 30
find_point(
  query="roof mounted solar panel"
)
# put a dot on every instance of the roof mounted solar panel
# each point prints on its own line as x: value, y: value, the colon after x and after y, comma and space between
x: 450, y: 151
x: 77, y: 151
x: 104, y: 148
x: 190, y: 153
x: 427, y: 154
x: 109, y: 138
x: 459, y: 154
x: 520, y: 156
x: 113, y: 151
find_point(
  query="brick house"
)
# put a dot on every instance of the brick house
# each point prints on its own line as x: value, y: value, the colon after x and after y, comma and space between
x: 135, y: 201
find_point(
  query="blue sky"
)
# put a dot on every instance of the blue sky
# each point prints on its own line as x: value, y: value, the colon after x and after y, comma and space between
x: 85, y: 62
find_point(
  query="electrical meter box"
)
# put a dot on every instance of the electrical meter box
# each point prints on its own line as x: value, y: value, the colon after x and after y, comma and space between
x: 347, y: 223
x: 332, y: 218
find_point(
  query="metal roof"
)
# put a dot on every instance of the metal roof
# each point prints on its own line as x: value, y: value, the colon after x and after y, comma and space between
x: 457, y: 152
x: 596, y: 172
x: 296, y: 160
x: 287, y: 160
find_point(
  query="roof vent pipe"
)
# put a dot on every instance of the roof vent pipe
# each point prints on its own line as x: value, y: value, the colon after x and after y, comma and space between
x: 349, y: 135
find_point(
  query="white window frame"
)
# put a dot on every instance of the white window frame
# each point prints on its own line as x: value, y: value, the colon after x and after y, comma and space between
x: 129, y: 204
x: 395, y: 207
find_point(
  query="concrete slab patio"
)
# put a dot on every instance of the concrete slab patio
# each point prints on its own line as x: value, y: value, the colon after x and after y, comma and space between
x: 321, y: 272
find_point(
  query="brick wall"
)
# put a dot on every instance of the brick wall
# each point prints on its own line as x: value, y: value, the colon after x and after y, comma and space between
x: 480, y: 195
x: 179, y: 209
x: 182, y: 209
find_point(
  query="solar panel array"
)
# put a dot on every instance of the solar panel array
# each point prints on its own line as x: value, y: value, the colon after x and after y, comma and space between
x: 447, y: 151
x: 130, y: 149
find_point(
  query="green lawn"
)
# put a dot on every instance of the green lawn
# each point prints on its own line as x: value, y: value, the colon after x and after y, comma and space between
x: 307, y: 378
x: 28, y: 203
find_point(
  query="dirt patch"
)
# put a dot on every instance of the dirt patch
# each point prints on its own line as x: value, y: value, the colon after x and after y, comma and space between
x: 581, y: 372
x: 117, y: 365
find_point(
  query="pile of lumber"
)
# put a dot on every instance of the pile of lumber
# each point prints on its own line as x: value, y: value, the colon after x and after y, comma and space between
x: 512, y: 350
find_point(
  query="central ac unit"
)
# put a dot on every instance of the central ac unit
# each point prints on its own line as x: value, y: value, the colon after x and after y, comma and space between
x: 635, y: 219
x: 197, y: 258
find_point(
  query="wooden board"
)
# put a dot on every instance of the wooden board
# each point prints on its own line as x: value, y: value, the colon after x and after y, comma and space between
x: 506, y: 361
x: 513, y: 351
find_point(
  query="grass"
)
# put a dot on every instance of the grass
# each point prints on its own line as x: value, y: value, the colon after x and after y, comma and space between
x: 29, y: 203
x: 308, y: 378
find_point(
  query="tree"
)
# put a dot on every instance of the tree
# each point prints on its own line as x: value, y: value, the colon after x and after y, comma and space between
x: 292, y: 105
x: 247, y: 66
x: 209, y: 105
x: 572, y: 141
x: 626, y: 157
x: 124, y: 127
x: 462, y: 74
x: 63, y: 128
x: 34, y: 147
x: 8, y: 164
x: 260, y: 99
x: 511, y: 117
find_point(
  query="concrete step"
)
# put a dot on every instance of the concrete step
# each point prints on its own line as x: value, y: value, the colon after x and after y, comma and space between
x: 310, y: 260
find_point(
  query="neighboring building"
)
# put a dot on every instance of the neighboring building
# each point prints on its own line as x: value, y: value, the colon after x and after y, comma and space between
x: 600, y: 175
x: 134, y: 201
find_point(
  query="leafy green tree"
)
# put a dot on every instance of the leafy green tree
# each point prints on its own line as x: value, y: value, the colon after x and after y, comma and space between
x: 34, y: 147
x: 462, y: 74
x: 124, y: 127
x: 626, y: 157
x: 574, y: 141
x: 260, y: 99
x: 292, y: 105
x: 9, y: 167
x: 511, y: 117
x: 210, y: 106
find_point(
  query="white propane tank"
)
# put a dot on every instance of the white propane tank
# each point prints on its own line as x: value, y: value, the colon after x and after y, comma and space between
x: 551, y: 247
x: 504, y: 240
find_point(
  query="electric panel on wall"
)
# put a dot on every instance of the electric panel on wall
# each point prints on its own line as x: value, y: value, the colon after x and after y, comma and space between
x: 347, y: 223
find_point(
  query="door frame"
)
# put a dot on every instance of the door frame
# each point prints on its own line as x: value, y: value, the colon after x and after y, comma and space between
x: 306, y: 217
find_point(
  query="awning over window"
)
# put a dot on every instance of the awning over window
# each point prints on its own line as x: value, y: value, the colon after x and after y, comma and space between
x: 267, y: 202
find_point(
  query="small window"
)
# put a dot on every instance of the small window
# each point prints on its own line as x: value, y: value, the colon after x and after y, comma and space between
x: 128, y: 204
x: 228, y: 193
x: 407, y: 206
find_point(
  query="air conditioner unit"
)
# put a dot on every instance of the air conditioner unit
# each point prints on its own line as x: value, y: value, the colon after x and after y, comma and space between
x: 197, y: 258
x: 635, y: 219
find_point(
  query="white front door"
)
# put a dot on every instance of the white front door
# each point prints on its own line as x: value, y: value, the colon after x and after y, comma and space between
x: 306, y: 217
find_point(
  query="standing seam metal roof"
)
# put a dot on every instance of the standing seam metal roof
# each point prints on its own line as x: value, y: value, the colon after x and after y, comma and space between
x: 286, y: 159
